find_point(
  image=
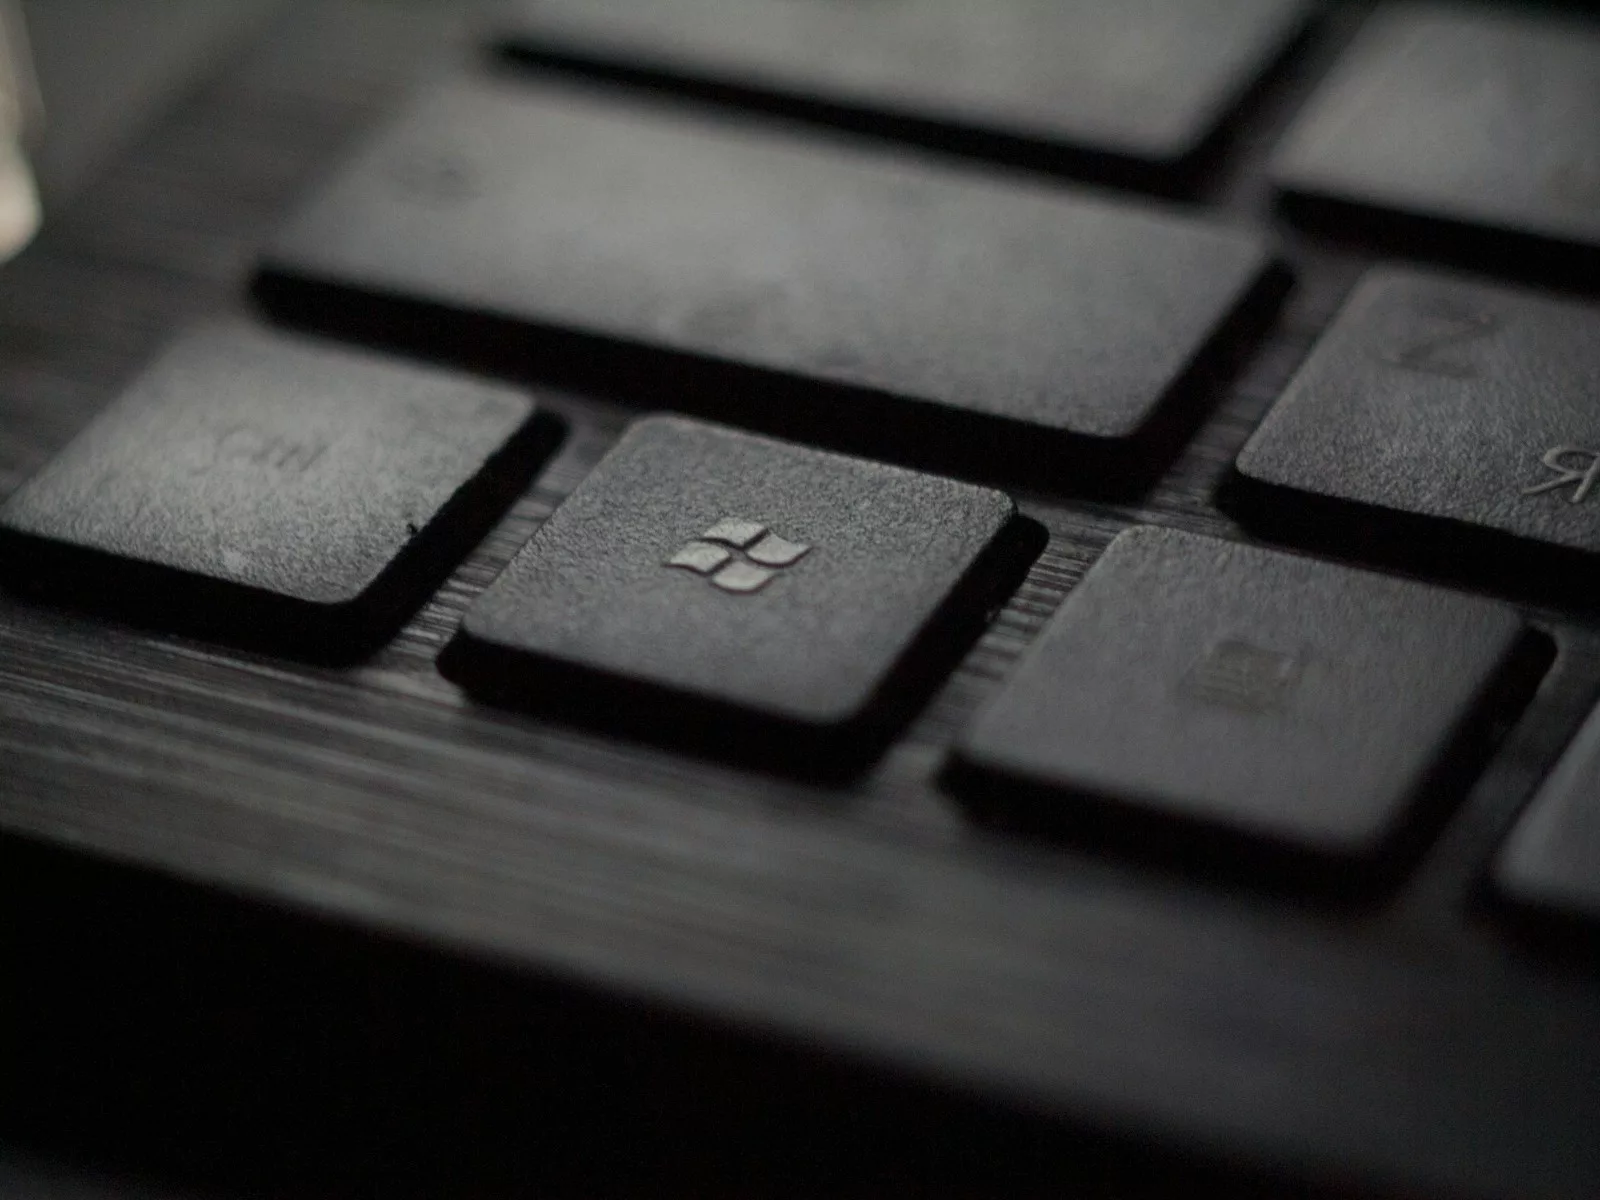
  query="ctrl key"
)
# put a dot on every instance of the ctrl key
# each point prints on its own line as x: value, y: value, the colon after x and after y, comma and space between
x: 274, y: 492
x: 1197, y: 695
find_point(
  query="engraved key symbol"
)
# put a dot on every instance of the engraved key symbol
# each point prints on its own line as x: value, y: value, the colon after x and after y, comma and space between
x: 273, y: 451
x: 437, y: 179
x: 1428, y: 348
x: 1574, y: 467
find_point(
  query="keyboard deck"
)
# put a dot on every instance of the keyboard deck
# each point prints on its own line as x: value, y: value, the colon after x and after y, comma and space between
x: 1422, y: 1037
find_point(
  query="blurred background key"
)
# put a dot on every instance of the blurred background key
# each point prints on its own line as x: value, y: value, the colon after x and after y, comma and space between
x: 1461, y: 132
x: 1136, y: 91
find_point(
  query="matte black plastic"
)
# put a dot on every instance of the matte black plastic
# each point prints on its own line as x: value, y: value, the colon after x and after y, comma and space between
x: 290, y: 931
x: 1149, y: 79
x: 551, y: 209
x: 769, y: 595
x: 1288, y: 700
x: 1552, y: 861
x: 271, y: 490
x: 1457, y: 122
x: 1441, y: 418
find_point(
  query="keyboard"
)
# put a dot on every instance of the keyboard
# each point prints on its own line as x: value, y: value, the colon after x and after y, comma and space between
x: 649, y: 596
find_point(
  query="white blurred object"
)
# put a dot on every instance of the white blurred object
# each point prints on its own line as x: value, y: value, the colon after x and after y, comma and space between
x: 19, y: 109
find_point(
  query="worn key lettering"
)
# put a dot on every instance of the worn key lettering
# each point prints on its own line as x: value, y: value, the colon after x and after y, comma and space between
x: 1574, y: 467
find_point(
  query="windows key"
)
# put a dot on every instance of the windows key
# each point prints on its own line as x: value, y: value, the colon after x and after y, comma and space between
x: 762, y: 600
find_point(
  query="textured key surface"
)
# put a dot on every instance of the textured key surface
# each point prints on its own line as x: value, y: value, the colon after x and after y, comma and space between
x: 290, y: 481
x: 1442, y: 398
x: 744, y: 572
x: 1147, y: 78
x: 1552, y: 861
x: 1284, y: 698
x: 728, y: 243
x: 1394, y: 1049
x: 1462, y: 113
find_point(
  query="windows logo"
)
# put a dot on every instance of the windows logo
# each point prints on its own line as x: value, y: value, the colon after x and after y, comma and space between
x: 738, y: 556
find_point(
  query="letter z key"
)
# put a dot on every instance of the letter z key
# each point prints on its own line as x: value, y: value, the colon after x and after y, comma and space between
x: 1437, y: 411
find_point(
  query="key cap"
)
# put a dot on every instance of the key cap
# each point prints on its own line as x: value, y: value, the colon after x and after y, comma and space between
x: 1467, y: 117
x: 1197, y: 688
x: 1441, y: 419
x: 272, y: 491
x: 1149, y: 80
x: 1551, y: 863
x: 537, y: 209
x: 764, y: 600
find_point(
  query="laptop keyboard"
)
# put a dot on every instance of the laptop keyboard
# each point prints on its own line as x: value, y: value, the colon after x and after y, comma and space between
x: 863, y: 456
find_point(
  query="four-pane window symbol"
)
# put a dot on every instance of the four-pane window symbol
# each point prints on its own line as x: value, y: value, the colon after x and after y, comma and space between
x: 739, y: 556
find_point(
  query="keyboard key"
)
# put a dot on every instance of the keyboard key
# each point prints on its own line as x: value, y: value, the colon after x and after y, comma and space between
x: 1461, y: 115
x: 1283, y: 701
x: 764, y: 598
x: 1149, y: 80
x: 1552, y: 861
x: 275, y: 491
x: 539, y: 209
x: 1471, y: 407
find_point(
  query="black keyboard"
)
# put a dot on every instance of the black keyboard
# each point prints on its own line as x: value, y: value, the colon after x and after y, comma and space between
x: 617, y: 596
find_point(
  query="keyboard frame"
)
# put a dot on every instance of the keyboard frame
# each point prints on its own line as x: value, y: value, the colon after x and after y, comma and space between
x: 1421, y: 1041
